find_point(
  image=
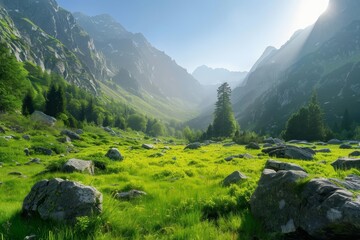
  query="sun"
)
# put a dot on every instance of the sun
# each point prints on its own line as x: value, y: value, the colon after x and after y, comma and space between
x: 309, y: 11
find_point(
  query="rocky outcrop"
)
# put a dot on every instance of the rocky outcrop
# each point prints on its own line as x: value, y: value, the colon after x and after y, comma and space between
x: 319, y: 207
x: 292, y: 152
x: 147, y: 146
x: 114, y: 154
x: 234, y: 177
x: 70, y: 134
x: 346, y: 163
x: 194, y: 145
x: 252, y: 145
x: 62, y: 200
x: 38, y: 116
x: 77, y: 165
x: 277, y: 166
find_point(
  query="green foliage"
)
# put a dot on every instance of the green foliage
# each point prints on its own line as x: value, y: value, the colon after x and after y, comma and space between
x: 224, y: 124
x: 28, y: 105
x: 307, y: 123
x: 137, y: 122
x: 55, y: 101
x: 13, y: 81
x: 246, y: 137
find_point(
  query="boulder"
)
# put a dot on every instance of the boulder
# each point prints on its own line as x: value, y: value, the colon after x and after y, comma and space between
x: 246, y: 156
x: 114, y: 154
x: 351, y: 182
x: 273, y: 141
x: 79, y: 131
x: 277, y: 166
x: 267, y: 145
x: 345, y: 146
x: 318, y: 207
x: 42, y: 150
x: 147, y: 146
x: 320, y: 143
x: 346, y: 163
x: 109, y: 130
x: 194, y: 145
x: 292, y: 152
x: 64, y: 139
x: 38, y: 116
x: 26, y: 137
x: 70, y: 134
x: 354, y: 154
x: 235, y: 177
x: 353, y: 142
x: 129, y: 195
x: 34, y: 160
x: 2, y: 130
x: 323, y: 150
x: 252, y: 145
x: 334, y: 141
x: 78, y: 165
x: 62, y: 200
x: 27, y: 152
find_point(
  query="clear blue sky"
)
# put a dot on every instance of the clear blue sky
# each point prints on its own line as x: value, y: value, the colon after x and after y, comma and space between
x: 218, y: 33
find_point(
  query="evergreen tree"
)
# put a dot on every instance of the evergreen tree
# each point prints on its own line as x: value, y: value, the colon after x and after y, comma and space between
x: 120, y: 123
x: 224, y: 124
x: 306, y: 124
x: 28, y: 105
x: 137, y: 122
x: 50, y: 103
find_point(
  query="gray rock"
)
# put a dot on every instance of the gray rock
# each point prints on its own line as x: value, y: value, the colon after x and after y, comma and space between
x: 109, y: 130
x: 62, y: 200
x: 354, y: 154
x: 79, y: 131
x: 130, y: 194
x: 334, y: 141
x: 194, y: 145
x: 345, y: 146
x: 319, y: 207
x: 291, y: 152
x: 26, y: 137
x: 234, y: 177
x: 324, y: 150
x: 351, y: 182
x: 2, y: 130
x: 34, y: 160
x: 277, y: 166
x: 147, y: 146
x: 274, y: 141
x: 27, y: 152
x: 42, y: 150
x: 114, y: 154
x: 228, y: 144
x: 70, y: 134
x: 321, y: 143
x: 252, y: 145
x: 346, y: 163
x: 30, y: 237
x: 38, y: 116
x: 229, y: 158
x: 78, y: 165
x: 64, y: 139
x: 267, y: 145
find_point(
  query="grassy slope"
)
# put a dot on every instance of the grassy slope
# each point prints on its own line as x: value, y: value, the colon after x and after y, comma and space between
x: 184, y: 198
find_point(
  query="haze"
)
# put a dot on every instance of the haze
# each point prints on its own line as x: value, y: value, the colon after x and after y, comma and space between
x: 220, y: 34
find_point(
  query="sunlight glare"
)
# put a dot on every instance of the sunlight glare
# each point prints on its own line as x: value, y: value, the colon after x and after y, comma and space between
x: 309, y: 11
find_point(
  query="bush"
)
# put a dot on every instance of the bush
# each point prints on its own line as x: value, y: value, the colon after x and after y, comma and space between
x: 219, y: 206
x: 246, y: 138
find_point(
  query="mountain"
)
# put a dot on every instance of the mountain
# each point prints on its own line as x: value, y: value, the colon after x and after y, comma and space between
x: 41, y: 32
x: 132, y: 56
x: 98, y: 54
x: 214, y: 76
x: 323, y: 58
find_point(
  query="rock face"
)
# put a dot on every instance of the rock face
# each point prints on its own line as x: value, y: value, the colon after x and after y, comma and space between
x: 235, y: 177
x: 114, y: 154
x: 61, y: 200
x: 43, y: 118
x: 346, y: 163
x: 70, y: 134
x: 77, y: 165
x: 292, y: 152
x: 194, y: 145
x: 318, y: 207
x: 276, y: 165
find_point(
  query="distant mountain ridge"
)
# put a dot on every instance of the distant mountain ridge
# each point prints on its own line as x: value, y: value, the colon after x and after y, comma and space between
x: 213, y: 76
x: 322, y: 58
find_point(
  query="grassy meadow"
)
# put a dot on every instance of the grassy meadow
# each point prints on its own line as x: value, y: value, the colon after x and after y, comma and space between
x: 185, y: 198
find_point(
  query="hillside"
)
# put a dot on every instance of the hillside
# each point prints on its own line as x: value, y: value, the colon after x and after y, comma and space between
x: 310, y: 61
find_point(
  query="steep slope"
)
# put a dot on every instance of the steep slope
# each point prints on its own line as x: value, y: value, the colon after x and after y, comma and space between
x: 285, y: 79
x: 131, y: 56
x: 213, y: 76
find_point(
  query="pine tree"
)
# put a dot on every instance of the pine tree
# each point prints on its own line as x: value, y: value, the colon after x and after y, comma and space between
x: 28, y: 105
x: 50, y: 103
x: 224, y: 124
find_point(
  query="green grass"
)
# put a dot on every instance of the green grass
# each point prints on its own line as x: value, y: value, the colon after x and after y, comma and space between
x: 185, y: 199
